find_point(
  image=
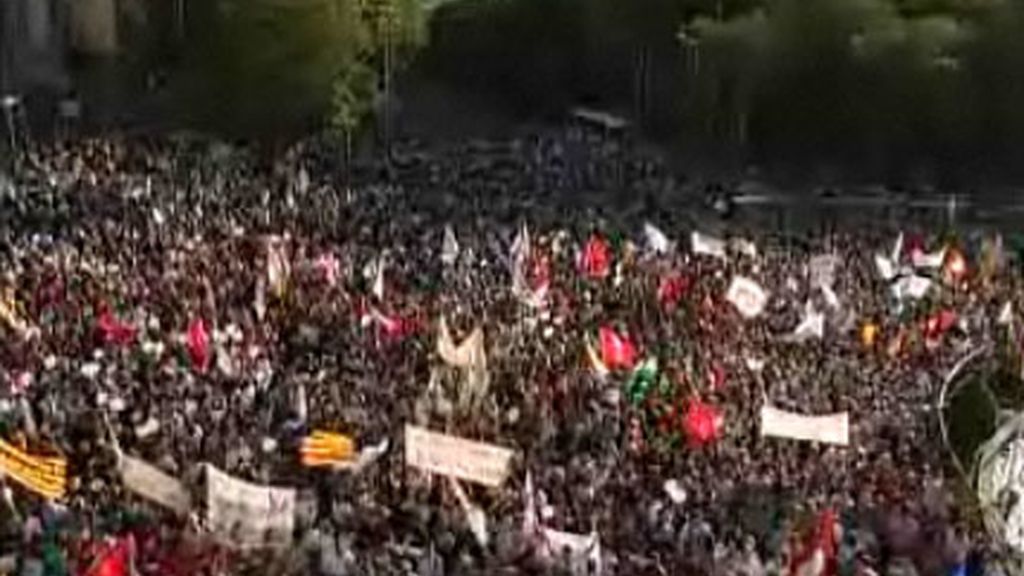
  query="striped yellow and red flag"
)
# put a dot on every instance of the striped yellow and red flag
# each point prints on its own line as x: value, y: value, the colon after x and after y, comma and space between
x: 44, y: 475
x: 326, y: 449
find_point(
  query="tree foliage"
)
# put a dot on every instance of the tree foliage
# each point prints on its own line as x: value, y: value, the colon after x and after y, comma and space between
x: 272, y: 67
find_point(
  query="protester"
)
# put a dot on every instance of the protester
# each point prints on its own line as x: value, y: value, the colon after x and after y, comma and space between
x: 182, y: 306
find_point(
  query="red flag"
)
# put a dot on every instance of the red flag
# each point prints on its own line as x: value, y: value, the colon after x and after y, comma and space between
x: 616, y: 351
x: 596, y: 259
x: 199, y: 345
x: 818, y: 557
x: 113, y: 331
x: 115, y: 561
x: 936, y: 326
x: 671, y: 289
x: 702, y: 423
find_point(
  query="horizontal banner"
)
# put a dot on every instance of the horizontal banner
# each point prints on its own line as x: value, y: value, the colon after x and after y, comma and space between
x: 485, y: 464
x: 248, y: 515
x: 829, y: 429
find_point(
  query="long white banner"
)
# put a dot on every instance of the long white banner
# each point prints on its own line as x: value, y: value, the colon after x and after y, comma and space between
x: 829, y: 429
x: 248, y: 515
x: 485, y: 464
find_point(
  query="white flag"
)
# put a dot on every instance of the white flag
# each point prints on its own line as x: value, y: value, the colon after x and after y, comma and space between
x: 744, y: 247
x: 930, y: 261
x: 463, y: 355
x: 886, y: 267
x: 1006, y: 315
x: 521, y: 253
x: 830, y: 297
x: 657, y: 241
x: 707, y: 245
x: 373, y: 272
x: 747, y: 296
x: 279, y: 269
x: 812, y: 326
x: 148, y: 481
x: 914, y: 287
x: 475, y: 516
x: 449, y: 247
x: 830, y: 429
x: 248, y: 515
x: 471, y: 357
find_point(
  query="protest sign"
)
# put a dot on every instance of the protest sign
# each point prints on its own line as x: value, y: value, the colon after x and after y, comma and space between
x: 478, y: 462
x: 830, y: 429
x: 247, y: 515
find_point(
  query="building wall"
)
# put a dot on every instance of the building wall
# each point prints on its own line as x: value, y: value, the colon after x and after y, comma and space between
x: 32, y: 45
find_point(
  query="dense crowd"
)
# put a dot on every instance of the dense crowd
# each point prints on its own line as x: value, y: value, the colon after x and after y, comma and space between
x: 114, y: 254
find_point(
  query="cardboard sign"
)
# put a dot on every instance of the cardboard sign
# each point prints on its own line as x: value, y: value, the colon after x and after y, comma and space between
x: 830, y: 429
x: 485, y: 464
x: 46, y: 476
x: 248, y: 515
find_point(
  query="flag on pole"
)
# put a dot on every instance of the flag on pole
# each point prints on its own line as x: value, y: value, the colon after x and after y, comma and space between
x: 642, y: 381
x: 811, y: 326
x: 43, y: 475
x: 113, y: 331
x: 702, y: 423
x: 322, y: 449
x: 279, y: 269
x: 933, y: 260
x: 198, y: 343
x: 657, y: 241
x: 616, y: 350
x: 449, y: 247
x: 596, y: 259
x: 671, y: 290
x: 530, y: 274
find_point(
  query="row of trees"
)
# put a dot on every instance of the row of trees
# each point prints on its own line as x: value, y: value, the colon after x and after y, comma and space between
x: 278, y: 68
x: 883, y: 87
x: 880, y: 86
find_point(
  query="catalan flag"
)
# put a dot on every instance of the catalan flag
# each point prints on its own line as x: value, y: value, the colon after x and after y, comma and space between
x: 326, y: 449
x: 44, y: 475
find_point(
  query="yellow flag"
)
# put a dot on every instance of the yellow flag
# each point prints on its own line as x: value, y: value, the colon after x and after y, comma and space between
x: 44, y: 475
x: 325, y: 449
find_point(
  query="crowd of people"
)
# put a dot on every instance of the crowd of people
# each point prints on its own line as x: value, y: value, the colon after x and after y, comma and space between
x: 321, y: 303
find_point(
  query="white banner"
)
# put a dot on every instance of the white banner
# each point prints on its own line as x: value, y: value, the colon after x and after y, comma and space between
x: 485, y: 464
x: 707, y: 245
x: 830, y: 429
x: 247, y: 515
x: 151, y: 483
